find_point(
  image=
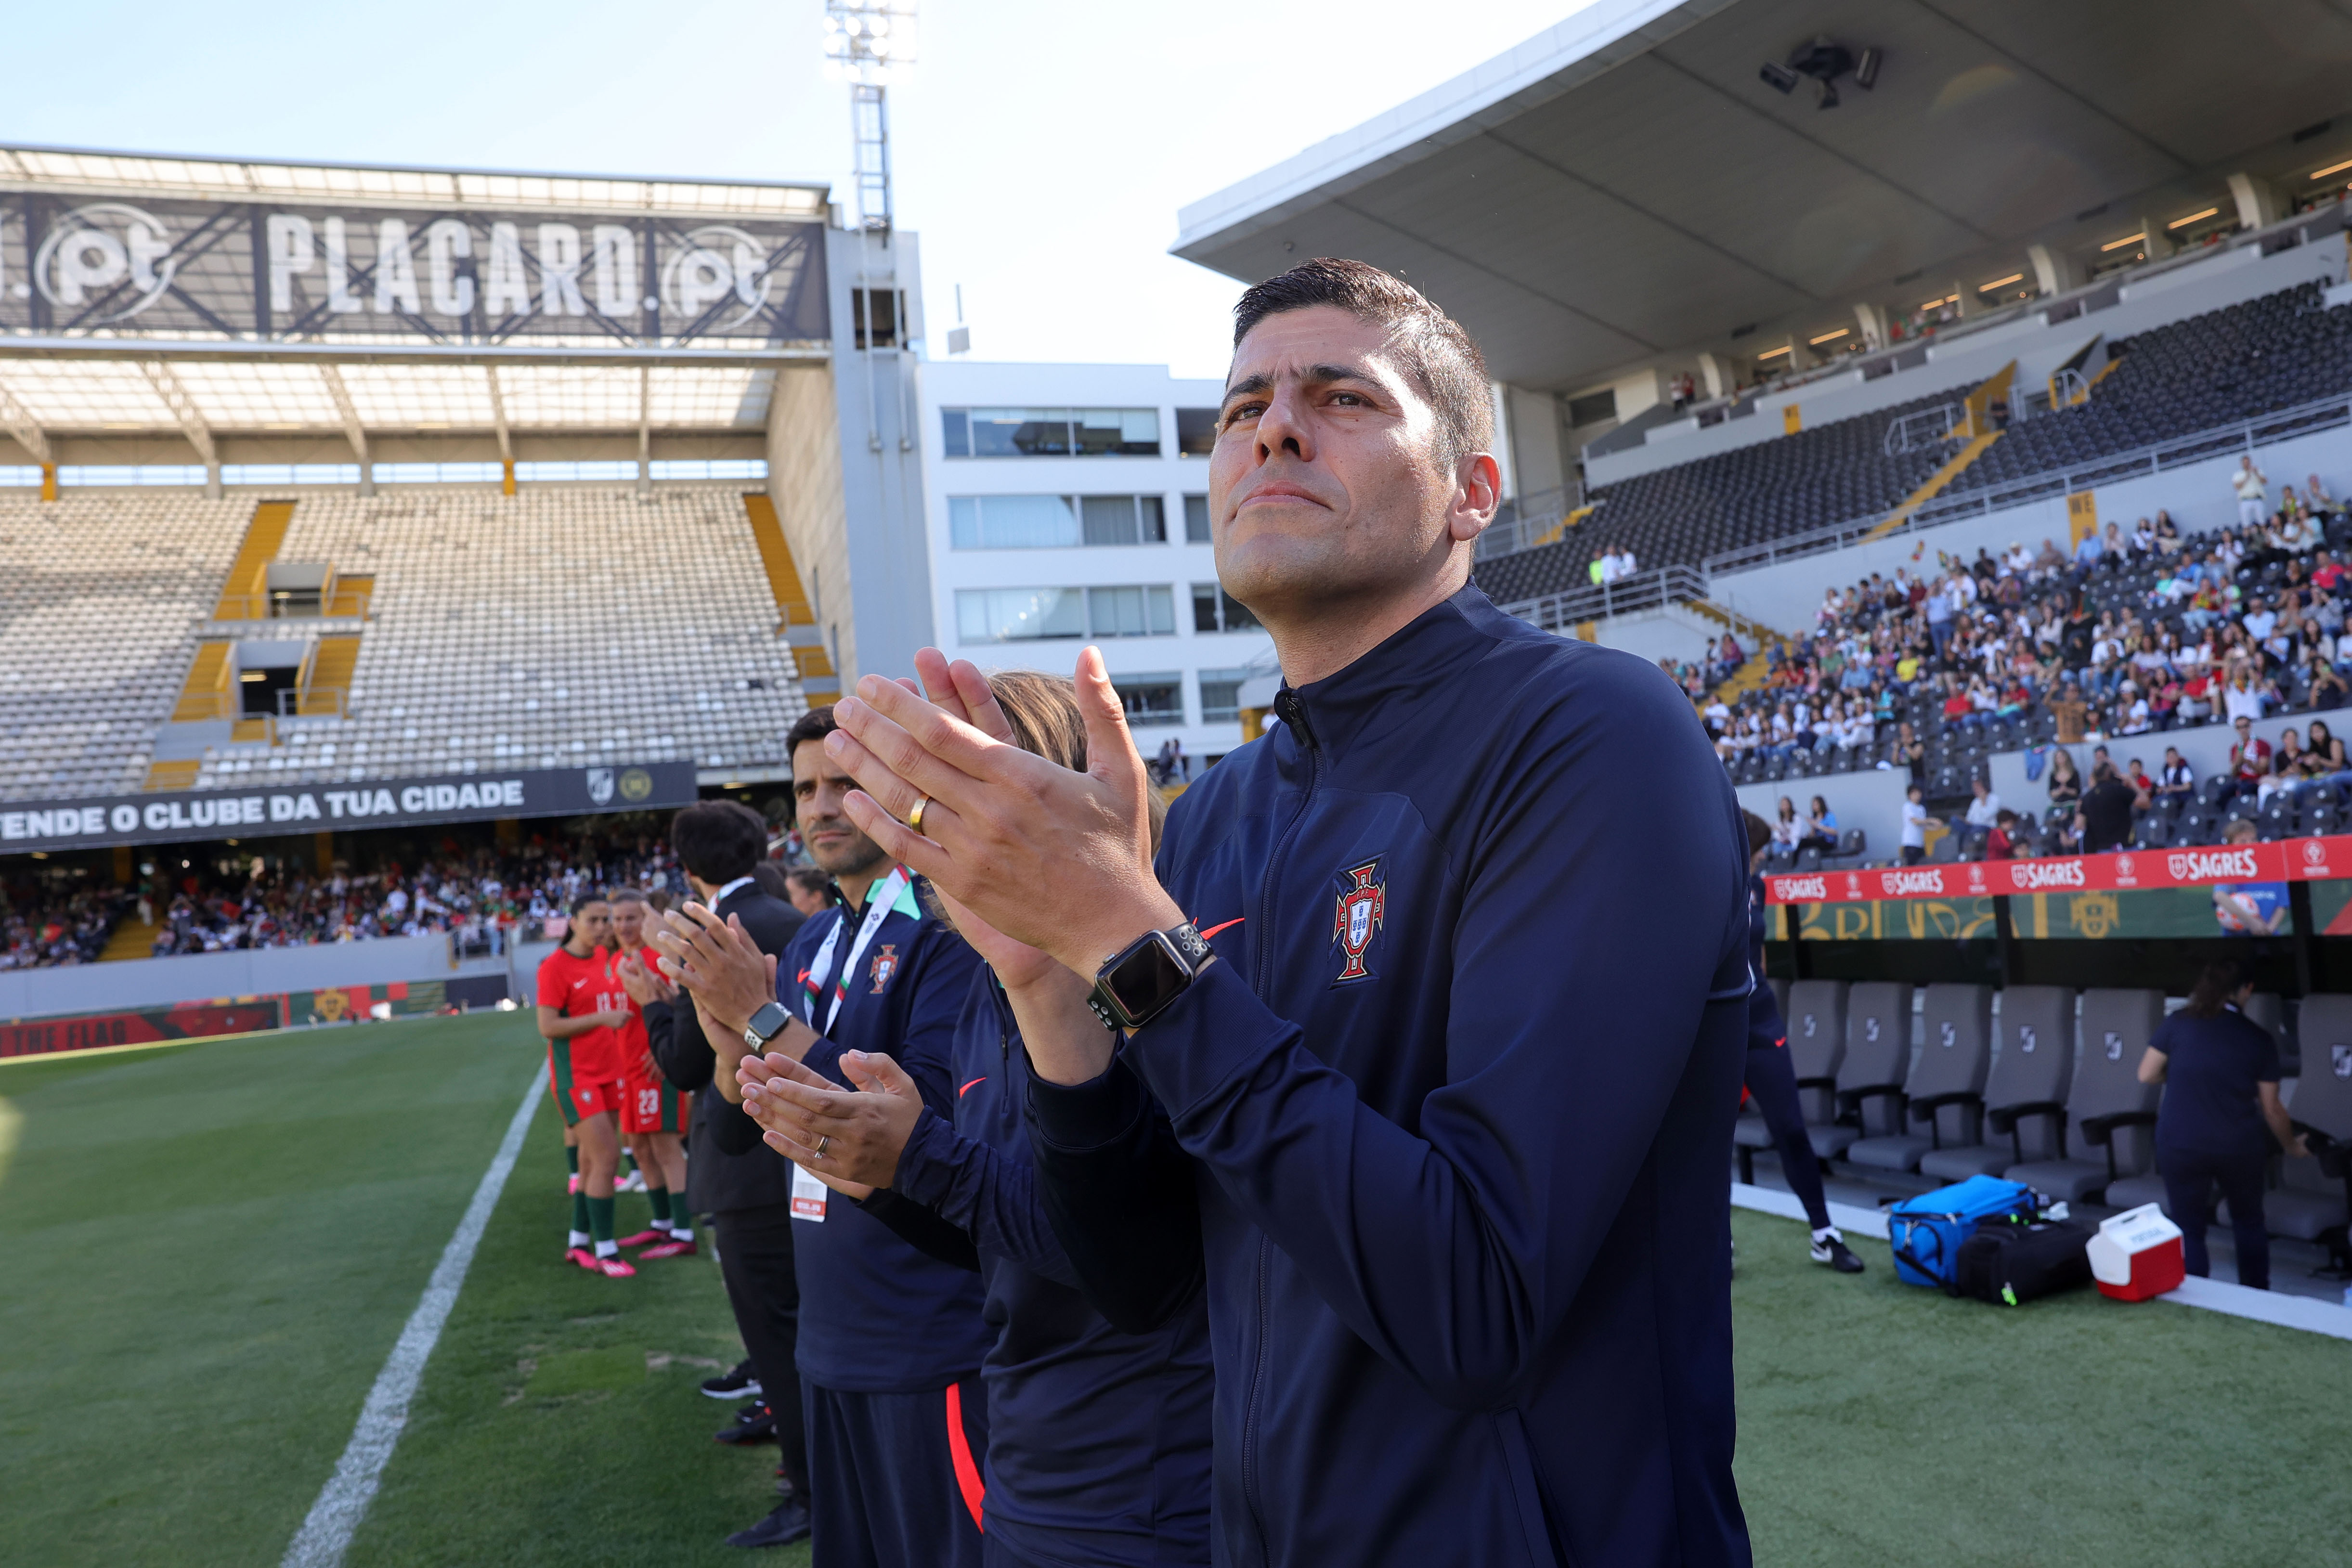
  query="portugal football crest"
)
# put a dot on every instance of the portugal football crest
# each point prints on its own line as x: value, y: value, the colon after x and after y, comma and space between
x: 1361, y: 902
x: 885, y: 964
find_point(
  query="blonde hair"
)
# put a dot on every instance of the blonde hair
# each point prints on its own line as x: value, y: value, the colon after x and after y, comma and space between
x: 1043, y: 711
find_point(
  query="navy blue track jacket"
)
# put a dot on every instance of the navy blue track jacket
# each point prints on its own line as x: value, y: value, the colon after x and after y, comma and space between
x: 1098, y: 1440
x: 877, y: 1315
x: 1459, y: 1089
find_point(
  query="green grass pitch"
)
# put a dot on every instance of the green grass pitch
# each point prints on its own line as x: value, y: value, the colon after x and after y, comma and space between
x: 210, y: 1249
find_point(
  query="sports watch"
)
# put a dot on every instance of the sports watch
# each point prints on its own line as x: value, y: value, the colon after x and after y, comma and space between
x: 765, y: 1025
x: 1138, y: 983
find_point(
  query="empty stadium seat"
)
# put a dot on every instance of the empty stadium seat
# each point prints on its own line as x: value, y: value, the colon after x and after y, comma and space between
x: 2034, y: 1066
x: 1877, y: 1058
x: 2311, y: 1201
x: 1944, y: 1090
x: 2107, y: 1107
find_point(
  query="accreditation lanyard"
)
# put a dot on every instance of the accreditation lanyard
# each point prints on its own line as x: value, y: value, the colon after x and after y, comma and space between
x: 879, y: 902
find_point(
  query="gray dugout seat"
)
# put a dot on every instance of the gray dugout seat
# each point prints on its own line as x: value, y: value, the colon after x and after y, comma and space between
x: 2034, y: 1065
x: 2314, y: 1199
x: 1877, y: 1060
x: 1944, y: 1090
x: 1814, y: 1013
x: 2107, y: 1108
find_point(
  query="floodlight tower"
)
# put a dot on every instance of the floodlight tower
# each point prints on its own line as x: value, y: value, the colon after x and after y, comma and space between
x: 870, y: 43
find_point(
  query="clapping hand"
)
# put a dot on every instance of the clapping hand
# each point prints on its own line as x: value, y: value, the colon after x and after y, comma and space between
x: 849, y: 1139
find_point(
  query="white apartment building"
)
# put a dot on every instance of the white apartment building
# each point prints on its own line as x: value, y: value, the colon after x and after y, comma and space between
x: 1069, y: 504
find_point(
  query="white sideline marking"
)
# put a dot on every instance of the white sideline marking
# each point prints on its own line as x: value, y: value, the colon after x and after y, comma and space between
x: 1870, y: 1222
x: 343, y: 1502
x: 2309, y: 1313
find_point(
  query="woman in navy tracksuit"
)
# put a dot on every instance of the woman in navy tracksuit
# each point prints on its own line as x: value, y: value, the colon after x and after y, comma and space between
x: 2220, y: 1076
x: 1771, y: 1083
x: 1099, y: 1438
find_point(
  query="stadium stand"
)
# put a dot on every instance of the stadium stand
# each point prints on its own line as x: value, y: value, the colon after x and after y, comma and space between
x: 101, y: 600
x: 555, y: 626
x: 2255, y: 358
x: 2168, y: 626
x: 2278, y: 352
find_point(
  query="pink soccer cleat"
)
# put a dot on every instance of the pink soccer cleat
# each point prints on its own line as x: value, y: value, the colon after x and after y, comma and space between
x: 614, y: 1268
x: 645, y: 1238
x: 672, y: 1248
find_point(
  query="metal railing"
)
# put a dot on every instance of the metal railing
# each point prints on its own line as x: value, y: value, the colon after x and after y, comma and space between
x: 1937, y: 426
x: 1644, y: 591
x: 1525, y: 521
x: 2240, y: 435
x: 283, y: 604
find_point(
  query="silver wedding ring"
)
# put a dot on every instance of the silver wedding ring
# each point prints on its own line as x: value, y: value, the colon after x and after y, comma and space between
x: 823, y: 1143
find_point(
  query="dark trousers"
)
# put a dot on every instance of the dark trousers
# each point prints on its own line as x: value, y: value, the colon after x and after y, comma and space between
x: 897, y: 1476
x: 1772, y: 1085
x: 755, y: 1258
x: 2190, y: 1175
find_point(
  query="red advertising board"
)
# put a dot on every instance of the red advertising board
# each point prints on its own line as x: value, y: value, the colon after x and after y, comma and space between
x: 191, y: 1020
x: 2125, y: 871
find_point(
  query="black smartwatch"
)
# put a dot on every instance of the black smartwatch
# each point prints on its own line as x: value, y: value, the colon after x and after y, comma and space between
x: 765, y: 1025
x: 1137, y: 984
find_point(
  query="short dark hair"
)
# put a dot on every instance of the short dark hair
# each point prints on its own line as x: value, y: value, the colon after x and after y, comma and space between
x: 1442, y: 362
x: 719, y: 840
x: 814, y: 725
x: 770, y: 878
x: 585, y: 899
x: 808, y: 879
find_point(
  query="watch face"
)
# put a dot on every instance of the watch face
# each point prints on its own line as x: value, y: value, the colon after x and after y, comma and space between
x: 1149, y: 979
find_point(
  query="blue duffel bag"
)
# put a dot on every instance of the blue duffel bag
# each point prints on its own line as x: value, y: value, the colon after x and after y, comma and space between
x: 1927, y: 1230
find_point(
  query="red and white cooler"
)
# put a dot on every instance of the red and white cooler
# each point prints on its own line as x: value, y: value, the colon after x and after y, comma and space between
x: 2137, y: 1255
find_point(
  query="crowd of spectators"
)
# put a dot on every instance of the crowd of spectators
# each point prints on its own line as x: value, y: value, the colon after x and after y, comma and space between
x: 45, y: 922
x: 2129, y: 633
x: 483, y: 897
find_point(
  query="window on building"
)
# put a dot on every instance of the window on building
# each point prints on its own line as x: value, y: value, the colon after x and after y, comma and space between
x: 1196, y: 432
x: 1196, y: 519
x: 1030, y: 614
x: 1592, y: 407
x: 1150, y: 699
x: 1214, y: 610
x: 1050, y: 431
x: 1221, y: 695
x: 1049, y: 522
x: 877, y: 312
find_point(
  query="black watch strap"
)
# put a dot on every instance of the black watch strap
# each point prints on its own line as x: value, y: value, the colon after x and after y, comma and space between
x: 1140, y: 982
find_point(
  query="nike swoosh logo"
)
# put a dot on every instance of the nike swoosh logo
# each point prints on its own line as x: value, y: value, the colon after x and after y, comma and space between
x: 971, y: 1086
x: 1226, y: 926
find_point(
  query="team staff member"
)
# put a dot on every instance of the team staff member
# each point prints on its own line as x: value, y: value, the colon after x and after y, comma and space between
x: 653, y: 1109
x: 581, y: 1011
x: 2220, y: 1076
x: 1771, y: 1083
x: 748, y: 1198
x: 891, y: 1340
x: 1098, y: 1439
x: 1460, y: 1065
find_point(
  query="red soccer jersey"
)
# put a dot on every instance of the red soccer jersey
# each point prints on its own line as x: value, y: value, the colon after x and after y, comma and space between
x: 631, y: 1044
x: 575, y: 987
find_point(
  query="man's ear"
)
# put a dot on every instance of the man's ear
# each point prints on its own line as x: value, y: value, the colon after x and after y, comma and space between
x: 1477, y: 493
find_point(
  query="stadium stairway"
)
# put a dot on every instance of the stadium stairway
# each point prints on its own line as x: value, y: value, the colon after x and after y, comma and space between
x: 132, y: 939
x: 1977, y: 432
x: 244, y: 595
x: 797, y: 622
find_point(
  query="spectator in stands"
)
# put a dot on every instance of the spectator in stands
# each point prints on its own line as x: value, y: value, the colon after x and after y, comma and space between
x: 1985, y: 809
x: 2221, y: 1073
x: 2253, y: 488
x: 2071, y: 713
x: 2088, y: 549
x: 2104, y: 818
x: 2242, y: 698
x: 1787, y: 828
x: 1821, y: 828
x: 2065, y: 782
x: 2174, y: 780
x: 1915, y: 823
x: 2322, y: 749
x: 1998, y: 845
x: 2250, y: 755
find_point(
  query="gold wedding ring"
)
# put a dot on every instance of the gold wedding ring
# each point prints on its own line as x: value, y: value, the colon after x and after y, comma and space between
x: 915, y: 817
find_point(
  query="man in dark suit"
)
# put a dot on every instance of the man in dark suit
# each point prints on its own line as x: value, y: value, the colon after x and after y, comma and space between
x: 748, y: 1194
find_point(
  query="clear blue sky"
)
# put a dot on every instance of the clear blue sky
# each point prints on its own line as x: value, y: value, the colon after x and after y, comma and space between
x: 1042, y: 148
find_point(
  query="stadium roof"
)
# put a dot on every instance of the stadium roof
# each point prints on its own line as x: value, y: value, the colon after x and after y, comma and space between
x: 182, y: 358
x: 1624, y: 185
